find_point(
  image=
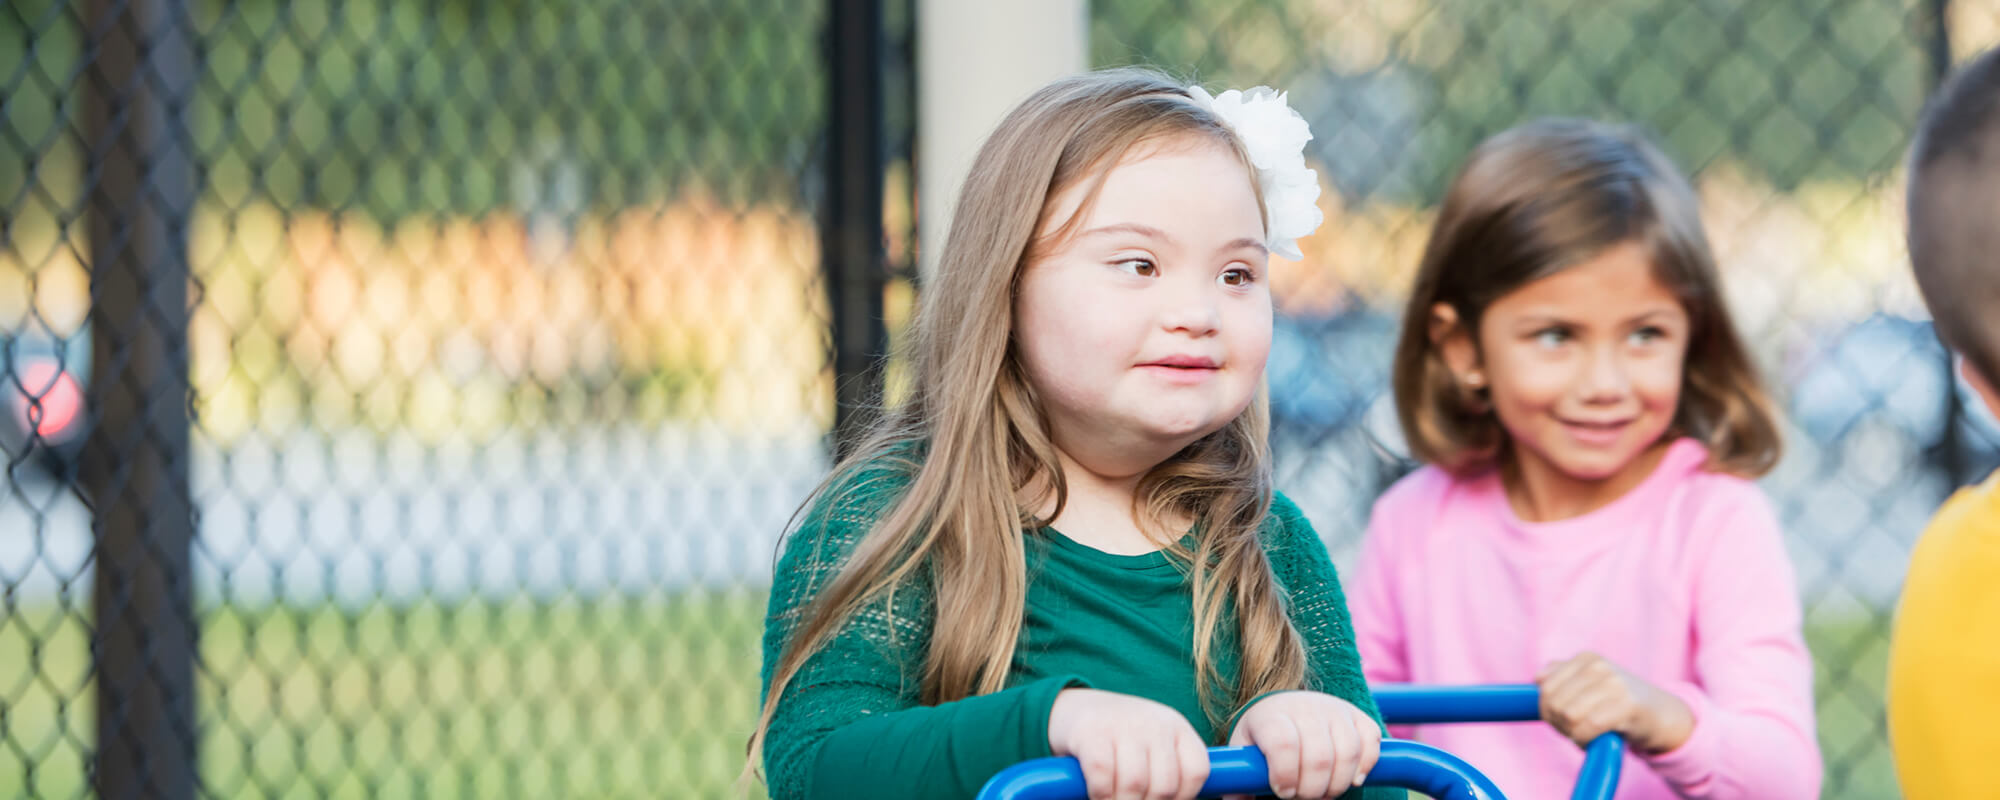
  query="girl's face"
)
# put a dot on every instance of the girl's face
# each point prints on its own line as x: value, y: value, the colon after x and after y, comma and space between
x: 1149, y: 327
x: 1584, y: 367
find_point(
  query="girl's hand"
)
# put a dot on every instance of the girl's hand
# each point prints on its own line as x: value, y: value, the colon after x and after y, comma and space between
x: 1318, y: 745
x: 1131, y: 748
x: 1587, y: 696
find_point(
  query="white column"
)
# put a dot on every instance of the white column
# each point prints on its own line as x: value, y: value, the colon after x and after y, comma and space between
x: 975, y: 60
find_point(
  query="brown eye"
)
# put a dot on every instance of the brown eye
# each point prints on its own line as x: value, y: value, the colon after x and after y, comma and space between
x: 1140, y: 267
x: 1237, y: 277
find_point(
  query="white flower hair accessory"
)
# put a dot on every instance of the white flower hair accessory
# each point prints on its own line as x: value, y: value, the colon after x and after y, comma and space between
x: 1275, y: 136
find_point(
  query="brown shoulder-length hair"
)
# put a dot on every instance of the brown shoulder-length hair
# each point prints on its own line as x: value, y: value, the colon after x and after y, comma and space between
x: 987, y: 465
x: 1538, y: 199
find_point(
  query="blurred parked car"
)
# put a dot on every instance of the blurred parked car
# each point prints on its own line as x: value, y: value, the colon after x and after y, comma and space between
x: 1331, y: 373
x: 1891, y: 371
x: 1326, y: 372
x: 42, y: 402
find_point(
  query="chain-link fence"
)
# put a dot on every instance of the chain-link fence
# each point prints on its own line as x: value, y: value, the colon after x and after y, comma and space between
x: 405, y: 399
x: 488, y: 343
x: 1792, y: 115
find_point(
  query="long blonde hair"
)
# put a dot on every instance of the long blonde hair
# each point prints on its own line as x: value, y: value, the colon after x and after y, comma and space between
x: 979, y: 460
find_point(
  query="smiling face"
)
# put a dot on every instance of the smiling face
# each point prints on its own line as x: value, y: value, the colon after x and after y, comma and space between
x: 1585, y: 366
x: 1147, y: 327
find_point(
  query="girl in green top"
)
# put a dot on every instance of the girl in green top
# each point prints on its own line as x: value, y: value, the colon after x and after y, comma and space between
x: 1065, y: 540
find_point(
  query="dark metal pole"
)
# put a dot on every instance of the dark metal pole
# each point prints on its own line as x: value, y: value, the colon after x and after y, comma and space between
x: 141, y: 184
x: 1934, y: 26
x: 856, y: 261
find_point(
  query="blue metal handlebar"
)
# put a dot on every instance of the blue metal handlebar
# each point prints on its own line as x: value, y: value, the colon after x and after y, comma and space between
x: 1403, y: 764
x: 1515, y: 702
x: 1598, y: 780
x: 1242, y: 770
x: 1414, y: 705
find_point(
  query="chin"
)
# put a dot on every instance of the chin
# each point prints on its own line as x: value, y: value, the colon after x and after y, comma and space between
x: 1184, y: 434
x: 1186, y: 431
x: 1188, y: 424
x: 1595, y: 467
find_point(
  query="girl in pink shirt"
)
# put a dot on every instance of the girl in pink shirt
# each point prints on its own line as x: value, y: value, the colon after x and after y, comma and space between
x: 1568, y: 369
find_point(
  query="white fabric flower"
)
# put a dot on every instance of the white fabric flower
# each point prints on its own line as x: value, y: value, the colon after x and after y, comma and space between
x: 1275, y: 137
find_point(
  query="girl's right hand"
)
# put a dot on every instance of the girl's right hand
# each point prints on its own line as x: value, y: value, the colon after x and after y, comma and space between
x: 1131, y: 748
x: 1317, y: 745
x: 1589, y: 695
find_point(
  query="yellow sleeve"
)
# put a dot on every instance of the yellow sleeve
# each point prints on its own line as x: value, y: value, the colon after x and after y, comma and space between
x: 1944, y: 656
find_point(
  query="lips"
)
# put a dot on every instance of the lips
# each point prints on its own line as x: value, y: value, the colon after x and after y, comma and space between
x: 1181, y: 370
x: 1592, y: 432
x: 1183, y: 362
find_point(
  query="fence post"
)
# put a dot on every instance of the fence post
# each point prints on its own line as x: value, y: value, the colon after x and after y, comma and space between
x: 1934, y: 25
x: 975, y: 61
x: 140, y: 184
x: 856, y: 261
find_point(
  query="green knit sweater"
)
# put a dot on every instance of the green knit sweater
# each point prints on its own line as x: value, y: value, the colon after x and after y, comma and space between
x: 851, y: 726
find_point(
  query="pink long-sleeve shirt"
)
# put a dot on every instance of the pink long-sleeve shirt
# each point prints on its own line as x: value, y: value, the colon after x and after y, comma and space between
x: 1683, y: 581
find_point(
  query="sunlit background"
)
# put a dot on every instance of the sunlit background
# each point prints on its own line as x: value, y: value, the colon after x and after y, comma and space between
x: 508, y: 338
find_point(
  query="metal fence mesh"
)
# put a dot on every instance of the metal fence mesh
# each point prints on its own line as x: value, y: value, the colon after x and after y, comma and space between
x: 507, y: 350
x: 490, y: 347
x: 1791, y: 115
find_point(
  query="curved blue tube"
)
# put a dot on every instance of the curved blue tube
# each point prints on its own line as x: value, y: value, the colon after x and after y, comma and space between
x: 1434, y: 772
x: 1242, y: 770
x: 1504, y: 702
x: 1598, y: 780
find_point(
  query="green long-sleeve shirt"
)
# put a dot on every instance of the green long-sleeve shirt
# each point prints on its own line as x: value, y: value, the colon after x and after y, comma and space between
x: 850, y: 724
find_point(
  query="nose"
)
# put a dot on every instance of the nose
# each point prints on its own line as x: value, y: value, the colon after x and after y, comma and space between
x: 1606, y: 378
x: 1192, y: 308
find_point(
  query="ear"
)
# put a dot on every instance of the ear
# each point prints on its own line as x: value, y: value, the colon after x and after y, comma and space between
x: 1980, y: 385
x: 1455, y: 342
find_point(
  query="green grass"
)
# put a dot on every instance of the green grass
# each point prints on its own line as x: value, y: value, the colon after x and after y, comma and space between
x: 602, y: 698
x: 630, y: 697
x: 1850, y: 676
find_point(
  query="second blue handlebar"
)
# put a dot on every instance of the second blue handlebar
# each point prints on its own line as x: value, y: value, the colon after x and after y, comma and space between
x: 1507, y: 702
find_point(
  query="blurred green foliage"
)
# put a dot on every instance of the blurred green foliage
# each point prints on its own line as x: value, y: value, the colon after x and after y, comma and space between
x: 1789, y: 91
x: 456, y: 107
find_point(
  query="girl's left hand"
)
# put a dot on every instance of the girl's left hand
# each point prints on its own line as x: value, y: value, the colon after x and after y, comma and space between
x: 1588, y: 696
x: 1318, y: 745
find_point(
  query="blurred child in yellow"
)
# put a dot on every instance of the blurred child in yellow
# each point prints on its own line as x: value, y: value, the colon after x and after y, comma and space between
x: 1944, y: 659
